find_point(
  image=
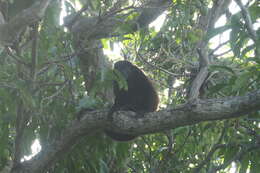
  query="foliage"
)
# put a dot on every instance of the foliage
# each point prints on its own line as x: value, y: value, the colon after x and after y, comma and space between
x: 49, y: 98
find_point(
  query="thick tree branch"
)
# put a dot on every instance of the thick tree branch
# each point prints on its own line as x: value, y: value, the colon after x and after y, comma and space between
x: 152, y: 10
x: 219, y: 7
x: 9, y: 31
x: 125, y: 122
x: 109, y: 25
x: 188, y: 114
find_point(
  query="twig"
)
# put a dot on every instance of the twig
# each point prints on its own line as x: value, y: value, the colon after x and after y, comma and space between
x: 55, y: 94
x: 70, y: 56
x: 238, y: 155
x: 4, y: 85
x: 157, y: 67
x: 249, y: 24
x: 215, y: 147
x: 219, y: 46
x: 16, y: 58
x: 247, y: 18
x: 34, y: 52
x: 208, y: 157
x: 201, y: 76
x: 184, y: 143
x: 223, y: 53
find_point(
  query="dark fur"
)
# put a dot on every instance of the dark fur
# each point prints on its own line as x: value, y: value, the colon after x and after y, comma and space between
x: 140, y: 97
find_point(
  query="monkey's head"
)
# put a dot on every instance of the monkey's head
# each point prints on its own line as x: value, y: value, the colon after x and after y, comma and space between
x: 125, y: 67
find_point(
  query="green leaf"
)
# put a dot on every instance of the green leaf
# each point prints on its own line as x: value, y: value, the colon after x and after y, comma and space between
x: 103, y: 167
x: 254, y: 11
x: 255, y: 162
x: 105, y: 43
x: 244, y: 163
x: 230, y: 152
x: 248, y: 49
x: 27, y: 98
x: 241, y: 81
x: 216, y: 88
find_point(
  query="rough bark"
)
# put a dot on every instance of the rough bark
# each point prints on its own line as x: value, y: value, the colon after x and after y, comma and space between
x: 10, y: 31
x: 206, y: 23
x: 188, y: 114
x: 98, y: 27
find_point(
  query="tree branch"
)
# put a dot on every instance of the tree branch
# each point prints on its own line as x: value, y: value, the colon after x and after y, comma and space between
x: 126, y: 122
x: 206, y: 23
x: 108, y: 25
x: 34, y: 54
x: 201, y: 76
x: 9, y: 31
x: 19, y: 128
x: 48, y: 156
x: 249, y: 25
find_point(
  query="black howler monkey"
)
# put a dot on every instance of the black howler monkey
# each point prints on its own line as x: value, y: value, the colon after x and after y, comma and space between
x: 140, y: 96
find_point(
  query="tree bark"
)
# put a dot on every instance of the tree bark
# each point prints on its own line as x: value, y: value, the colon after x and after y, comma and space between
x: 126, y: 122
x: 10, y: 31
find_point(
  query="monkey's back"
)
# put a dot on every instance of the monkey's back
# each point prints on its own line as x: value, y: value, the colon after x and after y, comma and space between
x: 141, y: 96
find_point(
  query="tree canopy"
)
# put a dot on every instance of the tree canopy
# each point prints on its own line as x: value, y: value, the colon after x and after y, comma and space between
x: 56, y: 81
